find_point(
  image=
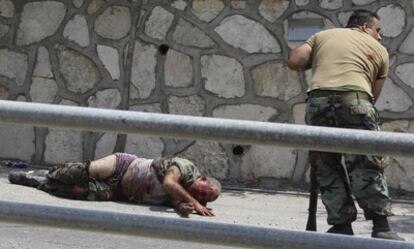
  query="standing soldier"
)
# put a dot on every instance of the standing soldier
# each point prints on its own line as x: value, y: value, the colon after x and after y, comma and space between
x: 349, y: 67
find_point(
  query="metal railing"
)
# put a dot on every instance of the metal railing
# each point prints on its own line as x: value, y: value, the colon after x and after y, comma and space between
x: 185, y: 229
x: 225, y: 130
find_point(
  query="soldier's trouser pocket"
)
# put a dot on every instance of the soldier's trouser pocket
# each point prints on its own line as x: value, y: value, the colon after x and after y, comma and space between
x: 365, y: 115
x: 314, y: 107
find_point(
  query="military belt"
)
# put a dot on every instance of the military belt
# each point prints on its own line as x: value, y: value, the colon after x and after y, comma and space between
x: 343, y: 95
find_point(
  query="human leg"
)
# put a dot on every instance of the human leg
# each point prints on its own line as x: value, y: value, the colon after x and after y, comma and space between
x: 324, y: 110
x: 32, y: 178
x: 70, y: 173
x: 334, y: 192
x: 102, y: 168
x: 370, y: 189
x: 366, y: 172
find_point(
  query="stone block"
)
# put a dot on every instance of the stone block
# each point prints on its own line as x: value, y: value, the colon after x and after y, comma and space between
x: 105, y: 145
x: 405, y: 72
x: 233, y: 30
x: 179, y: 4
x: 13, y: 65
x: 110, y: 59
x: 156, y: 108
x: 77, y: 3
x: 268, y: 161
x: 271, y: 10
x: 94, y: 6
x: 276, y: 80
x: 207, y: 10
x: 331, y: 4
x: 400, y: 171
x: 63, y: 145
x: 393, y: 98
x: 209, y: 157
x: 143, y: 69
x: 343, y: 17
x: 187, y: 34
x: 107, y: 98
x: 80, y: 72
x: 178, y: 69
x: 392, y: 20
x: 407, y: 46
x: 302, y: 2
x: 222, y: 76
x: 113, y: 23
x: 77, y: 31
x: 43, y: 90
x: 298, y: 112
x: 17, y: 141
x: 245, y: 112
x: 144, y: 146
x: 189, y: 105
x: 39, y: 20
x: 43, y: 68
x: 158, y: 23
x: 6, y: 8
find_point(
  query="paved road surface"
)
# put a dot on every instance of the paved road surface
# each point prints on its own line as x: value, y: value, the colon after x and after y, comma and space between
x: 278, y: 209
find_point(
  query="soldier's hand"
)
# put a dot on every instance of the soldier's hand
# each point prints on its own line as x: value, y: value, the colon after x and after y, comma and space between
x: 204, y: 211
x: 185, y: 208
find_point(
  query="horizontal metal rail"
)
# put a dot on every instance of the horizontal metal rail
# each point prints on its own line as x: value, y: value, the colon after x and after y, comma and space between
x: 185, y: 229
x: 218, y: 129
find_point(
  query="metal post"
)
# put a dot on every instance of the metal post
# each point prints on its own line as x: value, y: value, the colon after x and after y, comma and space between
x: 188, y: 230
x: 225, y: 130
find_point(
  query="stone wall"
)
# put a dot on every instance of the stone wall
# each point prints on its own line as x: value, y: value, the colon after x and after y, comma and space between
x: 219, y: 58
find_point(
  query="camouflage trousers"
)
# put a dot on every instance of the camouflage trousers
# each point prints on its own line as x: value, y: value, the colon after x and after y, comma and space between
x: 71, y: 180
x: 366, y: 179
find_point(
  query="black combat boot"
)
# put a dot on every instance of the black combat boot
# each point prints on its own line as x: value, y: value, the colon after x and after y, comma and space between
x: 29, y: 178
x: 381, y: 229
x: 345, y: 229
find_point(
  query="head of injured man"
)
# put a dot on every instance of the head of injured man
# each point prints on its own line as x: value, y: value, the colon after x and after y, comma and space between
x: 205, y: 189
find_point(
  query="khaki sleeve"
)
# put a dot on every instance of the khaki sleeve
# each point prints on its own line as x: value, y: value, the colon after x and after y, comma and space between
x: 189, y: 172
x: 311, y: 41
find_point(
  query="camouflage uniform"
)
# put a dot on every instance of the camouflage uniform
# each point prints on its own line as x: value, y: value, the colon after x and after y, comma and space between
x: 349, y: 109
x: 72, y: 180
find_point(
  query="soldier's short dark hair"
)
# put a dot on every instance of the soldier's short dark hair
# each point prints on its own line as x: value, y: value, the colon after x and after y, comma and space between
x: 359, y: 17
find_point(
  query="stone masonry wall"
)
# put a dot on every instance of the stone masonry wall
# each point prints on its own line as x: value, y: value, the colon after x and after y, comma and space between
x: 218, y: 58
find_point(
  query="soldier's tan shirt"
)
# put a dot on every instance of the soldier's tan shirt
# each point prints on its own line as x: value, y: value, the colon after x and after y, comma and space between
x: 346, y: 58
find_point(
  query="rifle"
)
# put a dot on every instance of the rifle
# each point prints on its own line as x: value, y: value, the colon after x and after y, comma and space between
x: 313, y: 201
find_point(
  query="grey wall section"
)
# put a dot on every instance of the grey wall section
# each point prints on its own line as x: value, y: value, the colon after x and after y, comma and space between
x: 219, y: 58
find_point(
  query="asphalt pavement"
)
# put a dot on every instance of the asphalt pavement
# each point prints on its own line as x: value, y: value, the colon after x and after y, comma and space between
x: 277, y: 208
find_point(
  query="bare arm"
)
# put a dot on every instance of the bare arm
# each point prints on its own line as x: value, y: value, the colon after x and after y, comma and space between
x: 300, y: 58
x: 377, y: 88
x: 179, y: 195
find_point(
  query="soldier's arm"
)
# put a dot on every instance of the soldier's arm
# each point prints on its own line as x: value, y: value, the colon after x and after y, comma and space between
x: 377, y: 88
x: 178, y: 194
x: 300, y: 58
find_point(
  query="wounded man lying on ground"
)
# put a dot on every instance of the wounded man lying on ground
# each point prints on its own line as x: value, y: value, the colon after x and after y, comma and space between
x: 125, y: 177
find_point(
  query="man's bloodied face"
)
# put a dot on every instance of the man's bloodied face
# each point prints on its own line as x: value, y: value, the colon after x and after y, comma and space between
x: 202, y: 190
